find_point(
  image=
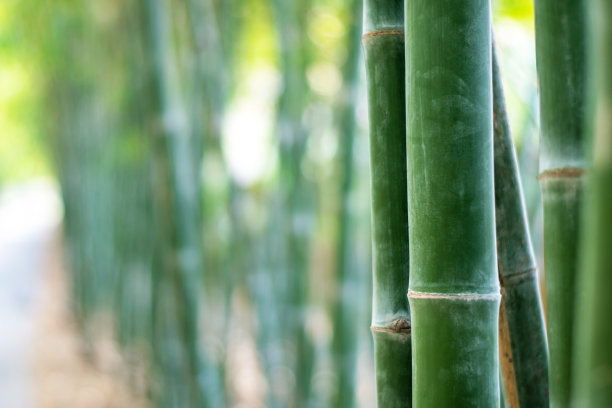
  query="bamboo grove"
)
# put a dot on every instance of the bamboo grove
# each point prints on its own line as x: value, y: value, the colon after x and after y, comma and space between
x: 162, y: 236
x: 251, y: 185
x: 464, y: 195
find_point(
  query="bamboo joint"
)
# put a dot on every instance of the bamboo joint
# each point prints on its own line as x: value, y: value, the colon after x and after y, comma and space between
x: 401, y: 325
x: 381, y: 33
x: 454, y: 296
x: 566, y: 172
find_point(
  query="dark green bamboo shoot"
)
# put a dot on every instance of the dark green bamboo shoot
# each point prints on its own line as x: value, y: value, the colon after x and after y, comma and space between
x: 561, y: 56
x: 592, y: 371
x: 523, y: 347
x: 383, y: 43
x: 454, y: 289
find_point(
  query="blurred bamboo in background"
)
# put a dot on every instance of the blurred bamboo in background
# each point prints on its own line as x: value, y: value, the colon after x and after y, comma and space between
x: 561, y: 59
x: 592, y: 355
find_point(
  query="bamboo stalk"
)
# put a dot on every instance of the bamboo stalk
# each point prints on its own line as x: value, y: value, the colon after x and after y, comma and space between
x: 134, y: 241
x: 344, y: 342
x: 177, y: 262
x: 523, y: 347
x: 592, y: 369
x: 212, y: 72
x: 561, y: 54
x: 383, y: 43
x: 295, y: 191
x: 454, y: 289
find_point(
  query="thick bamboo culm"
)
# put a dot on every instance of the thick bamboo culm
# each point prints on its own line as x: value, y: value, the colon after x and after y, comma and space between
x: 561, y: 55
x: 592, y: 382
x: 383, y: 43
x: 523, y: 347
x: 454, y: 289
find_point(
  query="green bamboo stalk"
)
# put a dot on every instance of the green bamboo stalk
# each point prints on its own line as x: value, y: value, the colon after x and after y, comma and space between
x: 176, y: 194
x: 213, y: 27
x: 454, y: 289
x: 592, y: 369
x: 523, y: 347
x: 82, y: 125
x: 383, y: 43
x: 295, y: 193
x: 561, y: 55
x: 344, y: 342
x: 134, y: 242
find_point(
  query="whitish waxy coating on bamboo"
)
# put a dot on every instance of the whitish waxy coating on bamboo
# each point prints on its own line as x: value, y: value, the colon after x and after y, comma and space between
x: 454, y: 289
x: 380, y: 15
x: 383, y: 43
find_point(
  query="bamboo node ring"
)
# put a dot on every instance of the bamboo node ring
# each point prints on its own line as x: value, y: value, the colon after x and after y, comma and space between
x: 381, y: 33
x: 454, y: 296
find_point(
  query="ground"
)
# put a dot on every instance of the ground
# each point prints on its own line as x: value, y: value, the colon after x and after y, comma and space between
x: 43, y: 362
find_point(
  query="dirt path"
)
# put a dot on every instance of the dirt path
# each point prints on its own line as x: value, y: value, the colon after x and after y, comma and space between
x: 42, y: 363
x: 64, y: 375
x: 28, y: 217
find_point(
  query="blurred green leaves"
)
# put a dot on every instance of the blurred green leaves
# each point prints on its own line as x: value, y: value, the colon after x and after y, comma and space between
x: 520, y: 10
x: 22, y: 155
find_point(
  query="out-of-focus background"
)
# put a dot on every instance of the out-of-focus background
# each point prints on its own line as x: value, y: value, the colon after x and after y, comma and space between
x: 184, y: 200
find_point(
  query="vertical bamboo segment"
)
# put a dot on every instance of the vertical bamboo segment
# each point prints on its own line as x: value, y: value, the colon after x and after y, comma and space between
x: 177, y: 262
x: 523, y: 347
x: 344, y: 343
x: 592, y: 377
x: 561, y: 54
x: 383, y: 43
x: 294, y: 190
x: 454, y: 289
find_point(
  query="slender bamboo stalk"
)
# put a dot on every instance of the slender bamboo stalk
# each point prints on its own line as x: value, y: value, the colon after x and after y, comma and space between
x: 561, y: 55
x: 383, y: 43
x: 83, y: 124
x: 176, y: 194
x: 454, y: 289
x: 592, y: 378
x: 523, y: 347
x: 212, y: 71
x: 345, y: 334
x: 294, y: 189
x: 134, y: 240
